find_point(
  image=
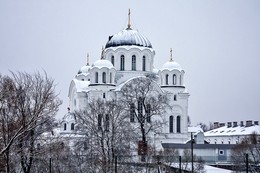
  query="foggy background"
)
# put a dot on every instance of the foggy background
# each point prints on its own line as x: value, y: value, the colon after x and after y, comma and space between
x: 217, y: 43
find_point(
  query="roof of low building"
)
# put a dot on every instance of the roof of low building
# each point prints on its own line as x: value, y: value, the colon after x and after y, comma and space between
x: 230, y: 131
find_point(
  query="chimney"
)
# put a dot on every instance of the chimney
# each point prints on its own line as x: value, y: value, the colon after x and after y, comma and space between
x: 222, y: 124
x: 215, y: 125
x: 256, y: 122
x: 234, y: 124
x: 241, y: 123
x: 248, y: 123
x: 229, y: 124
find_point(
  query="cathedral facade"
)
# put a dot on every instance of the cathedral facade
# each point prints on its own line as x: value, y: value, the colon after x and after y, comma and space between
x: 129, y: 55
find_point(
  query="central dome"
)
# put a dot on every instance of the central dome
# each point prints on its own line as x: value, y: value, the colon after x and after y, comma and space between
x: 128, y: 37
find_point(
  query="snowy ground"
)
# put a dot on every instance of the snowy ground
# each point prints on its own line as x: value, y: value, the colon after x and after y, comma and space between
x: 211, y: 169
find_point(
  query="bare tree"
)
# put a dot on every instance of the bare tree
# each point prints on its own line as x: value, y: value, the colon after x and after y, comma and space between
x: 106, y: 133
x: 251, y: 147
x: 143, y: 100
x: 28, y: 104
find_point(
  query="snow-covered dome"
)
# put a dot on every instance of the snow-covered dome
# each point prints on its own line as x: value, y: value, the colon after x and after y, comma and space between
x: 103, y: 63
x: 84, y: 69
x: 128, y: 37
x: 171, y: 65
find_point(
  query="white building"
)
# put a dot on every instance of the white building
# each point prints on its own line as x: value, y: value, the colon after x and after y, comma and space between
x: 128, y: 55
x: 231, y: 133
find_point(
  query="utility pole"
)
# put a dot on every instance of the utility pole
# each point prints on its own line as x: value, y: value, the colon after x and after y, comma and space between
x: 191, y: 141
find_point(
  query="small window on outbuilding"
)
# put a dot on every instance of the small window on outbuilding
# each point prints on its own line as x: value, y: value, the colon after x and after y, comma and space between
x: 221, y: 152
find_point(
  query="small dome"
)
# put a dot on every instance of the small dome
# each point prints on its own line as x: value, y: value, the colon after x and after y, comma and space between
x: 171, y: 65
x: 84, y: 69
x: 103, y: 63
x: 128, y: 37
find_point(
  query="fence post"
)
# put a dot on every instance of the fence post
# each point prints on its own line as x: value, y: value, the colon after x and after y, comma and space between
x: 50, y: 165
x: 115, y: 164
x: 246, y: 163
x: 179, y: 164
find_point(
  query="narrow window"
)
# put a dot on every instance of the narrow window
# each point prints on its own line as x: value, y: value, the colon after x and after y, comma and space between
x: 96, y: 77
x: 178, y: 124
x: 65, y: 127
x: 171, y: 124
x: 166, y: 79
x: 122, y: 63
x: 174, y: 79
x: 180, y: 80
x: 148, y: 115
x: 72, y: 126
x: 113, y: 60
x: 175, y: 97
x: 104, y: 77
x: 110, y: 77
x: 144, y: 63
x: 132, y: 112
x: 133, y: 62
x: 140, y: 109
x: 104, y: 95
x: 107, y: 123
x: 99, y: 122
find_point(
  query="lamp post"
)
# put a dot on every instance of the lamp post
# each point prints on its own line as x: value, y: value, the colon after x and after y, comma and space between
x: 191, y: 141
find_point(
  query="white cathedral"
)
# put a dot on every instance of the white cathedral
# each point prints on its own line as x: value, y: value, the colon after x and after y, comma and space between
x: 127, y: 55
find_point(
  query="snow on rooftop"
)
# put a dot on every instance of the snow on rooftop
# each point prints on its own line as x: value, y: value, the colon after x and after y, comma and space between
x: 171, y: 65
x: 195, y: 129
x: 103, y: 63
x: 81, y: 85
x: 239, y: 130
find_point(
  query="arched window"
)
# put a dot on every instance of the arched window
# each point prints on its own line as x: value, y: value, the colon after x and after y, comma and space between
x: 72, y: 126
x: 171, y: 124
x: 96, y: 77
x: 65, y: 126
x: 144, y: 63
x: 110, y: 77
x: 104, y: 79
x: 180, y: 80
x: 148, y: 114
x: 167, y: 79
x: 107, y: 123
x: 178, y: 124
x: 99, y: 121
x: 104, y: 95
x: 122, y: 63
x: 140, y: 109
x: 133, y: 62
x: 174, y: 79
x: 132, y: 112
x: 113, y: 60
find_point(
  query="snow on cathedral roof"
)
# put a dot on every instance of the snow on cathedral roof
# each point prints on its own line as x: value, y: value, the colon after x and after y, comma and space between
x: 128, y: 37
x: 84, y: 69
x: 103, y: 63
x: 171, y: 65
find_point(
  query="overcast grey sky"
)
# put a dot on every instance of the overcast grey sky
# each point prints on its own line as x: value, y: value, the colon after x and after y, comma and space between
x: 216, y: 42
